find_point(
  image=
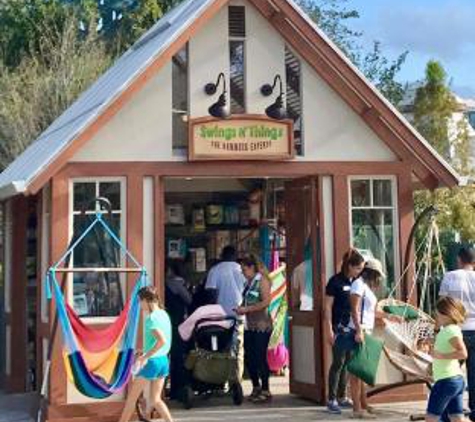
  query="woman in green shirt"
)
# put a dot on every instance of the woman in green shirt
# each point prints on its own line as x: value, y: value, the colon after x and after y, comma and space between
x: 446, y: 396
x: 153, y: 366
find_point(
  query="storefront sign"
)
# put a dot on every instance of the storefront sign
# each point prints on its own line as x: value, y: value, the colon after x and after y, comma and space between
x: 241, y: 138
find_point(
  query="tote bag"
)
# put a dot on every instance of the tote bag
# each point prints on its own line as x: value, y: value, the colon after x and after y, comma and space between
x: 364, y: 361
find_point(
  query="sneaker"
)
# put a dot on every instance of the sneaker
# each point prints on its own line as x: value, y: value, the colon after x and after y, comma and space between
x: 263, y: 397
x: 345, y: 403
x: 255, y: 393
x: 333, y: 408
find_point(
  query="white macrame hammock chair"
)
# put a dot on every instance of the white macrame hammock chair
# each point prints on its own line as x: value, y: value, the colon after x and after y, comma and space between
x: 405, y: 351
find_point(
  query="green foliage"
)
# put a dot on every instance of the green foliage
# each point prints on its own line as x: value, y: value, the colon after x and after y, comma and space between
x: 334, y: 17
x: 47, y: 80
x: 434, y: 108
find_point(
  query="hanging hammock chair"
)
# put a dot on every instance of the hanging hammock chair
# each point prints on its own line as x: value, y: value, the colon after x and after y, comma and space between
x: 409, y: 350
x: 98, y: 361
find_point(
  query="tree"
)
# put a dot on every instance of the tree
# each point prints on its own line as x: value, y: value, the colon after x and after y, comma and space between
x: 45, y: 82
x: 334, y: 17
x: 434, y: 108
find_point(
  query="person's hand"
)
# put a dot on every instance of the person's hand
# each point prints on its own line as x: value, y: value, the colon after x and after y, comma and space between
x: 437, y: 355
x: 241, y: 310
x: 331, y: 337
x: 141, y: 360
x: 359, y: 337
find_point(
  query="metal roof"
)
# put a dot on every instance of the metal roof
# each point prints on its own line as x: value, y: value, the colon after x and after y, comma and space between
x: 49, y: 145
x: 52, y: 142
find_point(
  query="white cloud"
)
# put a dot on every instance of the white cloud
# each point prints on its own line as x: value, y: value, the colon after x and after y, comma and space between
x: 446, y: 32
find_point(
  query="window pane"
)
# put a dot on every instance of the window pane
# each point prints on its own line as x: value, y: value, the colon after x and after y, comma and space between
x: 360, y: 193
x: 97, y: 294
x: 180, y: 98
x: 84, y: 193
x: 382, y: 195
x: 236, y: 76
x: 293, y: 97
x: 373, y: 235
x: 111, y: 191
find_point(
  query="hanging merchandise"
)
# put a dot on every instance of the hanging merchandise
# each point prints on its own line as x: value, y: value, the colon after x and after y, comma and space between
x: 254, y: 201
x: 98, y: 362
x: 198, y: 258
x: 198, y: 220
x: 231, y: 215
x: 176, y: 248
x: 265, y: 245
x: 214, y: 214
x: 244, y: 217
x: 175, y: 214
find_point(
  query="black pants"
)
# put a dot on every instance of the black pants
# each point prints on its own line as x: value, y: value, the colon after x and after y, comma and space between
x: 177, y: 366
x: 469, y: 339
x: 338, y: 376
x: 255, y: 358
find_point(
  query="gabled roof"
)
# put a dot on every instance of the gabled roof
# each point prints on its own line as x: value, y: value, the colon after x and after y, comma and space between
x: 106, y: 96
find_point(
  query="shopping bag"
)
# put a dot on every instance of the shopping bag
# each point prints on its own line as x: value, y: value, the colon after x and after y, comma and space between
x: 364, y: 361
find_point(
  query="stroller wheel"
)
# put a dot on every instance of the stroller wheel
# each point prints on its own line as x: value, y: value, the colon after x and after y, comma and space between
x: 188, y: 396
x: 237, y: 394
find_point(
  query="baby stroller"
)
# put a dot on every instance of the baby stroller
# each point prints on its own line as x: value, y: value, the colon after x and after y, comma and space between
x: 211, y: 362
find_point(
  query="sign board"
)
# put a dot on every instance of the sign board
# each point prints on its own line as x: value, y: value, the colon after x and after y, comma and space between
x: 243, y: 137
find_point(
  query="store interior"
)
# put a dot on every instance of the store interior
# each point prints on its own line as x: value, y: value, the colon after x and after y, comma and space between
x: 203, y: 215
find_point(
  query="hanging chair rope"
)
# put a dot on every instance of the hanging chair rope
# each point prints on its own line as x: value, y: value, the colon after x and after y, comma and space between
x: 98, y: 361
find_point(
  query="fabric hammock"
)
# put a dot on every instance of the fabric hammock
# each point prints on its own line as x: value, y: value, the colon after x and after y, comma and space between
x: 98, y: 361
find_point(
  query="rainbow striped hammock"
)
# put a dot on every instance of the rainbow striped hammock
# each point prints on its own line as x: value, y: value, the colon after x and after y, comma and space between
x: 98, y: 361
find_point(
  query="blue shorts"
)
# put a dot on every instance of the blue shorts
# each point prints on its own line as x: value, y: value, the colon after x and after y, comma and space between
x: 155, y: 368
x: 447, y: 396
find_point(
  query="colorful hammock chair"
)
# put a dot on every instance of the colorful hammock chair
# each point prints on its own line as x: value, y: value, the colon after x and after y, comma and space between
x: 98, y: 361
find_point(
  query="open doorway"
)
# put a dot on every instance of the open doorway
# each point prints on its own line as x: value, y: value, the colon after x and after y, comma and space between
x: 258, y: 217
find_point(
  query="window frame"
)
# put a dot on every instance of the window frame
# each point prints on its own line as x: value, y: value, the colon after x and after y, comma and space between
x: 123, y: 234
x: 395, y: 214
x: 235, y: 38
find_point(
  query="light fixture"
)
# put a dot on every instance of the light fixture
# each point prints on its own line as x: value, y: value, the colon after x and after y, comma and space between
x: 276, y: 110
x: 219, y: 109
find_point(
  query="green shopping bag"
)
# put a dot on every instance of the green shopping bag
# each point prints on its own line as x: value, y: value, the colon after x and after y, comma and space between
x: 364, y: 361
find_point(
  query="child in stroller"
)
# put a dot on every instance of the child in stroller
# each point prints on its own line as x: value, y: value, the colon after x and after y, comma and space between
x: 211, y: 362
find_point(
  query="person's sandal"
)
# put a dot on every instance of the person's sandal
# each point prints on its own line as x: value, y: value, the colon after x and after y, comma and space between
x: 362, y: 415
x: 263, y: 397
x: 254, y: 394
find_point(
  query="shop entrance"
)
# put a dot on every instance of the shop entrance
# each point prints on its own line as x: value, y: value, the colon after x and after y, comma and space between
x: 268, y: 218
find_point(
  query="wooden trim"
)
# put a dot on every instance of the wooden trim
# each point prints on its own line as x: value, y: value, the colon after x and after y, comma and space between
x: 408, y: 393
x: 159, y: 229
x: 233, y: 168
x: 341, y: 215
x: 406, y: 221
x: 18, y: 293
x: 353, y: 88
x: 125, y: 96
x: 60, y: 234
x: 91, y: 412
x: 39, y: 286
x: 192, y: 156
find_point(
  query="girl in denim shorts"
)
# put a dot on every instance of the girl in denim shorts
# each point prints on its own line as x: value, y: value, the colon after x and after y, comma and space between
x: 446, y: 397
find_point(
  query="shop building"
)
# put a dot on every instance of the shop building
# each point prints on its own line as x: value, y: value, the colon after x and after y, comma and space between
x: 340, y: 170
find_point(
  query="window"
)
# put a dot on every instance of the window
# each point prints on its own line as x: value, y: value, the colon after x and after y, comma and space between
x: 293, y: 96
x: 98, y: 294
x: 471, y: 118
x: 180, y: 109
x: 237, y: 78
x: 373, y: 221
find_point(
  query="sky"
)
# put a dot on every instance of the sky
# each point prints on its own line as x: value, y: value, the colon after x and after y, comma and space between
x: 443, y: 30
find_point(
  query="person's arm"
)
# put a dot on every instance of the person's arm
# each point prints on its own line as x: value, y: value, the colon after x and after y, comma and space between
x: 264, y: 303
x: 355, y: 301
x: 329, y: 300
x: 184, y: 294
x: 160, y: 342
x: 459, y: 353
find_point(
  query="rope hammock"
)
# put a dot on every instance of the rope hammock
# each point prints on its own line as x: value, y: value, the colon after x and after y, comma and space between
x: 417, y: 330
x: 98, y: 361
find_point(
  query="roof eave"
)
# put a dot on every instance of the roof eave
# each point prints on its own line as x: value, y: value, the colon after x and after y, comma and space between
x: 12, y: 189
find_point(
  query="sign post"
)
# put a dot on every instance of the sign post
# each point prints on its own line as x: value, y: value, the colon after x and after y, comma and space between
x: 244, y: 137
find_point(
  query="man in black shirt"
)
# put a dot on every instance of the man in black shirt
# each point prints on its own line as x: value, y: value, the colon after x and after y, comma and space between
x: 337, y: 315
